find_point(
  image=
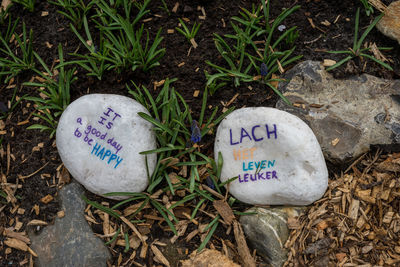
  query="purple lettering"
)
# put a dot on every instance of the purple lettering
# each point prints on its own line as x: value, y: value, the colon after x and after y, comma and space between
x: 253, y: 177
x: 230, y: 133
x: 116, y: 115
x: 77, y: 133
x: 102, y: 119
x: 260, y: 176
x: 271, y: 132
x: 252, y: 133
x: 268, y: 174
x: 243, y: 134
x: 108, y: 112
x: 109, y: 125
x: 246, y: 176
x: 274, y: 175
x: 240, y: 180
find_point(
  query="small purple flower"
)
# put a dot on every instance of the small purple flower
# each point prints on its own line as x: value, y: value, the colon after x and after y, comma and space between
x: 196, y: 133
x: 263, y: 70
x: 210, y: 182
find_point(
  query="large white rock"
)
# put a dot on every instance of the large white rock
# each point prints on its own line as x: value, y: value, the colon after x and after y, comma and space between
x: 99, y: 137
x: 275, y: 155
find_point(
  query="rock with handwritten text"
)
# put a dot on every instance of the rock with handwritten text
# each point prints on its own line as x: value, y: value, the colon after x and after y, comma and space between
x: 99, y: 138
x: 274, y: 155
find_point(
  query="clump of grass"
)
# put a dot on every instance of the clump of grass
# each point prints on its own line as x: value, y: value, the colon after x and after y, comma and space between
x: 357, y: 50
x: 189, y: 34
x: 28, y: 4
x: 74, y: 10
x: 56, y: 90
x: 14, y: 61
x: 245, y: 57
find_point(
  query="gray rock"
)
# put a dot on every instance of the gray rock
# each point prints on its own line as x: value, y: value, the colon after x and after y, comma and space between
x: 347, y: 116
x: 70, y: 241
x: 267, y: 231
x: 389, y: 25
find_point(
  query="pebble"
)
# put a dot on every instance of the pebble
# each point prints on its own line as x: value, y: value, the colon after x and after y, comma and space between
x: 99, y: 137
x: 389, y: 25
x: 274, y: 154
x: 70, y: 240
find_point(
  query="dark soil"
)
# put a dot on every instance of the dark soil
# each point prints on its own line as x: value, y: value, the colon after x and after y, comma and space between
x: 23, y: 160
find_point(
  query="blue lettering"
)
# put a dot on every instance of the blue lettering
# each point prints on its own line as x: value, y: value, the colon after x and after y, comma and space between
x: 251, y: 165
x: 107, y: 154
x: 101, y: 153
x: 113, y: 156
x: 118, y: 162
x: 95, y: 148
x: 271, y: 163
x: 263, y: 163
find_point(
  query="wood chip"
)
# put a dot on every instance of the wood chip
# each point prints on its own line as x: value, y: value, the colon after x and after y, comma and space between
x: 353, y: 211
x: 44, y: 13
x: 181, y: 64
x: 170, y: 31
x: 159, y: 257
x: 335, y: 141
x: 37, y: 222
x: 242, y: 247
x: 175, y: 8
x: 5, y: 4
x: 47, y: 199
x: 328, y: 62
x: 224, y: 210
x: 193, y: 42
x: 16, y: 243
x: 196, y: 93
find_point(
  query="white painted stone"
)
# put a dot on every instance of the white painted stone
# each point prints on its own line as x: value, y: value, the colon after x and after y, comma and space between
x: 98, y: 121
x: 294, y: 170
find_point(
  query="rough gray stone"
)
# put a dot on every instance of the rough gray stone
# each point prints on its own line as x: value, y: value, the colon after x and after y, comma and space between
x: 347, y: 116
x: 267, y: 231
x: 70, y: 241
x: 389, y: 25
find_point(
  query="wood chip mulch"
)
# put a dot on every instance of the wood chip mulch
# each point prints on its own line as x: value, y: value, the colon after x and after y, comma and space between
x: 356, y: 223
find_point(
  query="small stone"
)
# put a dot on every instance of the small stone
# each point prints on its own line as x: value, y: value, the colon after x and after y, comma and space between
x: 99, y: 138
x: 389, y: 25
x: 351, y: 114
x: 267, y: 231
x: 70, y: 241
x: 275, y: 156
